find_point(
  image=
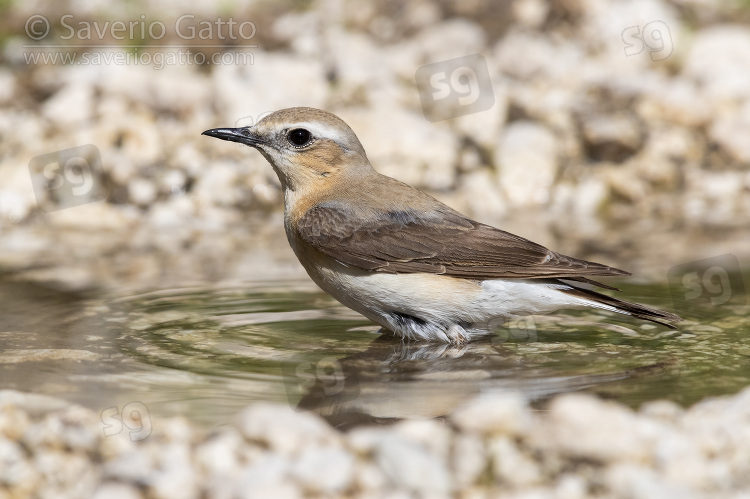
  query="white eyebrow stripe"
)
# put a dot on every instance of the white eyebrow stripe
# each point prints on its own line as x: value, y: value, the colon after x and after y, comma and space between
x: 322, y: 131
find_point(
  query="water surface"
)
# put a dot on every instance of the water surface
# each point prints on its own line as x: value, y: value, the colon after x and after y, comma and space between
x: 205, y: 352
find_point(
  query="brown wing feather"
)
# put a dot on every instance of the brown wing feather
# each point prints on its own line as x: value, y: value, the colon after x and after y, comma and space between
x: 438, y: 242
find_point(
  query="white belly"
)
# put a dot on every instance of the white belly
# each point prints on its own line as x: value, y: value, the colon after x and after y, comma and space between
x: 435, y: 307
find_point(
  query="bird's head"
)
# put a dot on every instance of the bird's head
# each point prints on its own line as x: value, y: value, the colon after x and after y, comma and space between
x: 308, y: 148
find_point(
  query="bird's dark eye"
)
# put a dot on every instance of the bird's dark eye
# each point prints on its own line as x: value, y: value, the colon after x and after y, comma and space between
x: 299, y: 137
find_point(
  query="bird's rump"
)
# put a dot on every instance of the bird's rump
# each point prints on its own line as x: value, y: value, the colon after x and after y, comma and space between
x: 440, y: 241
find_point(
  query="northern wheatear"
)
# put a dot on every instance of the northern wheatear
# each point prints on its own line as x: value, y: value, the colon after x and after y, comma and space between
x: 400, y: 257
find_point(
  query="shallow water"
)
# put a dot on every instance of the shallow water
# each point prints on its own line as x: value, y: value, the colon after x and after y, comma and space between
x: 205, y: 352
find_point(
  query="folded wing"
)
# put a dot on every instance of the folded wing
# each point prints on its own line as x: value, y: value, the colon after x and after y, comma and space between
x: 441, y: 241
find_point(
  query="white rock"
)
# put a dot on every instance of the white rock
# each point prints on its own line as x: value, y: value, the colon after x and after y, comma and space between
x: 627, y: 480
x: 505, y: 413
x: 469, y: 459
x: 176, y: 212
x: 570, y: 486
x: 141, y: 191
x: 731, y: 131
x: 274, y: 76
x: 218, y: 454
x: 586, y: 427
x: 369, y: 477
x: 72, y: 105
x: 301, y: 30
x: 525, y: 55
x: 449, y: 39
x: 282, y: 429
x: 589, y: 196
x: 80, y: 429
x: 97, y: 216
x: 719, y: 60
x: 680, y: 460
x: 13, y: 421
x: 268, y: 473
x: 530, y: 13
x: 483, y: 128
x: 526, y: 158
x: 512, y: 466
x: 432, y: 44
x: 665, y: 410
x: 324, y: 470
x: 603, y: 27
x: 221, y: 187
x: 411, y: 467
x: 406, y: 146
x: 140, y: 137
x: 173, y: 182
x: 364, y: 439
x: 175, y: 476
x: 15, y: 470
x: 360, y: 68
x: 117, y: 490
x: 666, y: 148
x: 65, y: 472
x: 421, y: 14
x: 7, y: 85
x: 435, y: 436
x: 678, y: 101
x: 133, y: 466
x: 17, y: 197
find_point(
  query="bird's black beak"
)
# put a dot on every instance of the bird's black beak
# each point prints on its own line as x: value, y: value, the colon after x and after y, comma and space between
x: 242, y: 135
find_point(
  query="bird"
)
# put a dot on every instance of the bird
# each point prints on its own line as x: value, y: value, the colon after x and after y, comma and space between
x: 400, y: 257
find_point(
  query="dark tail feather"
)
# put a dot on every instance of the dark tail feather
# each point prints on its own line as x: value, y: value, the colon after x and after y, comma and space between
x: 625, y: 307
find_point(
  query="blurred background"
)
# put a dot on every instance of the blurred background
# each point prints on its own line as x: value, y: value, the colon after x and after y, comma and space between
x: 612, y: 130
x: 144, y: 268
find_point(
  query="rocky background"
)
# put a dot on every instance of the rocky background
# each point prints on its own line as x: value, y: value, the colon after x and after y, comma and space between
x: 631, y: 151
x: 638, y: 159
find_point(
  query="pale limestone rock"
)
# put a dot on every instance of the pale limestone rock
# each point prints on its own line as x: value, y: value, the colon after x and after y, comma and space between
x: 530, y: 13
x: 505, y: 413
x: 282, y: 429
x: 512, y: 466
x: 638, y: 482
x: 324, y: 469
x: 581, y: 425
x: 70, y: 106
x: 266, y: 477
x: 526, y: 158
x: 450, y: 39
x: 236, y: 88
x: 731, y: 131
x: 719, y: 60
x: 678, y: 101
x: 117, y: 490
x: 412, y: 468
x: 406, y: 146
x: 7, y: 85
x: 469, y: 459
x: 432, y: 435
x: 141, y: 191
